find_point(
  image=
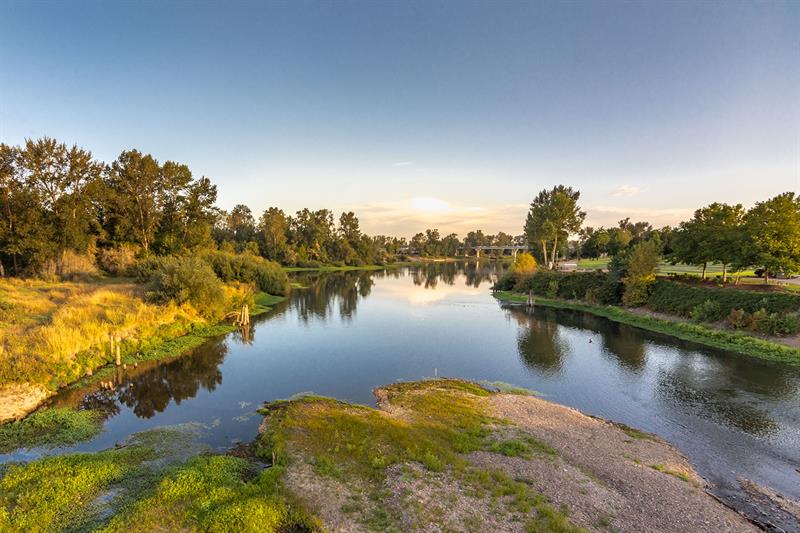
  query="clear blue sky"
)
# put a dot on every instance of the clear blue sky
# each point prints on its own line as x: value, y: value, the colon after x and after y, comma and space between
x: 414, y: 114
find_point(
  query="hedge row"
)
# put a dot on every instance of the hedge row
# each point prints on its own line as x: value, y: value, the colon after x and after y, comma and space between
x: 681, y: 299
x: 593, y: 287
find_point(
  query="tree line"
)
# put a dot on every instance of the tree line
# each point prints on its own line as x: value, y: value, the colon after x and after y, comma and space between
x: 766, y: 236
x: 59, y: 205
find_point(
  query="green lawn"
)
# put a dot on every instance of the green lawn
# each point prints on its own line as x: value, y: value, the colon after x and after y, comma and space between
x: 714, y: 269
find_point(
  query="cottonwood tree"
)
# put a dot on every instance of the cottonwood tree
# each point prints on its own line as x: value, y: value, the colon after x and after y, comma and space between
x: 554, y: 215
x: 273, y: 227
x: 772, y: 230
x: 136, y: 188
x: 61, y: 178
x: 25, y: 237
x: 714, y: 234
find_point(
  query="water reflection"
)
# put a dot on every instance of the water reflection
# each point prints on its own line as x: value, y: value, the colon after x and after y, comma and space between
x: 351, y: 331
x: 539, y: 339
x: 327, y: 291
x: 151, y: 387
x: 475, y: 274
x: 708, y: 391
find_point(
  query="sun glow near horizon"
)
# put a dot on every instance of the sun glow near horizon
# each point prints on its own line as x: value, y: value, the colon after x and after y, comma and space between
x: 428, y: 204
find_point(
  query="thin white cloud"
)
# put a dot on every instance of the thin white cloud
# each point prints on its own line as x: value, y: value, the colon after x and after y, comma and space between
x: 626, y: 190
x: 610, y: 215
x: 402, y: 164
x: 405, y: 218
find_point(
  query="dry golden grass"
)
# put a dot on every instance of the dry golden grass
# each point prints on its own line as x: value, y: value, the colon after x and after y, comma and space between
x: 53, y: 332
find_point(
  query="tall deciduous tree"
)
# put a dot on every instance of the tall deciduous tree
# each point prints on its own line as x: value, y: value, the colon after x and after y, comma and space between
x: 772, y: 229
x: 26, y: 239
x: 554, y: 215
x: 714, y: 234
x: 136, y: 184
x: 273, y: 227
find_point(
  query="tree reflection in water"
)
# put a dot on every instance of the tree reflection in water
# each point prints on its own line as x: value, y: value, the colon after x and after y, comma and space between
x: 429, y: 275
x: 538, y: 339
x: 149, y: 388
x: 715, y: 386
x: 325, y: 291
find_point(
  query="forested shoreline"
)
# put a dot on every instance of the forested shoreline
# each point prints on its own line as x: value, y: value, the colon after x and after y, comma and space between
x: 63, y: 213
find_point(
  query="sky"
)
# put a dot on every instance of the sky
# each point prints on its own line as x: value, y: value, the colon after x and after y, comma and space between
x: 446, y: 114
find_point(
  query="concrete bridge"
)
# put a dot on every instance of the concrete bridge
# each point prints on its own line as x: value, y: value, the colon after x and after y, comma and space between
x: 501, y: 250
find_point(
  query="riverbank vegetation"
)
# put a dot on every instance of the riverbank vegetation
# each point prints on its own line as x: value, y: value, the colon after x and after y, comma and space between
x: 743, y: 321
x: 436, y: 455
x: 767, y: 236
x: 50, y: 428
x: 53, y: 333
x: 763, y: 240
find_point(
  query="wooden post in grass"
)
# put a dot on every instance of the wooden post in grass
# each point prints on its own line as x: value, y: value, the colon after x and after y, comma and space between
x: 119, y: 359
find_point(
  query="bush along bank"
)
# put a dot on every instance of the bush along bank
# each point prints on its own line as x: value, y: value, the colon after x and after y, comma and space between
x: 720, y: 318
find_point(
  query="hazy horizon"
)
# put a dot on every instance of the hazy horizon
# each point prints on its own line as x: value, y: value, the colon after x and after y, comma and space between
x: 415, y: 115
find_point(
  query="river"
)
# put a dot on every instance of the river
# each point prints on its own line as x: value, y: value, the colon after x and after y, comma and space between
x: 348, y: 332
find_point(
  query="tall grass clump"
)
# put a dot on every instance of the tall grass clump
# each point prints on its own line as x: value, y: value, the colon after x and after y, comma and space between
x: 118, y: 261
x: 53, y: 333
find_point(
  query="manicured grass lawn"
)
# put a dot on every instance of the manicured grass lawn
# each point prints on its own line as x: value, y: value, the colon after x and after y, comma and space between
x: 713, y: 270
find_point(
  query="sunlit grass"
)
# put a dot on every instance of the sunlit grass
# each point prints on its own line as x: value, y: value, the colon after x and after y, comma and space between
x: 54, y: 333
x: 432, y: 423
x: 148, y: 484
x: 130, y: 489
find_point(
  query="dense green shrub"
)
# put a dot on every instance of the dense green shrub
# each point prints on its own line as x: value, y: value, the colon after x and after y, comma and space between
x: 764, y: 322
x: 708, y: 311
x: 268, y: 276
x: 637, y: 291
x: 680, y: 299
x: 146, y: 268
x: 188, y: 280
x: 779, y: 324
x: 507, y: 282
x: 591, y: 286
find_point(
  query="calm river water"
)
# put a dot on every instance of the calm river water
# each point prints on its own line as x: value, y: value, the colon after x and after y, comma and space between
x: 348, y: 332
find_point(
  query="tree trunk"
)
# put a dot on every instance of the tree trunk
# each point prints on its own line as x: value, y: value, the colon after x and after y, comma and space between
x: 724, y: 272
x: 555, y: 251
x: 704, y: 271
x: 766, y: 276
x: 544, y: 251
